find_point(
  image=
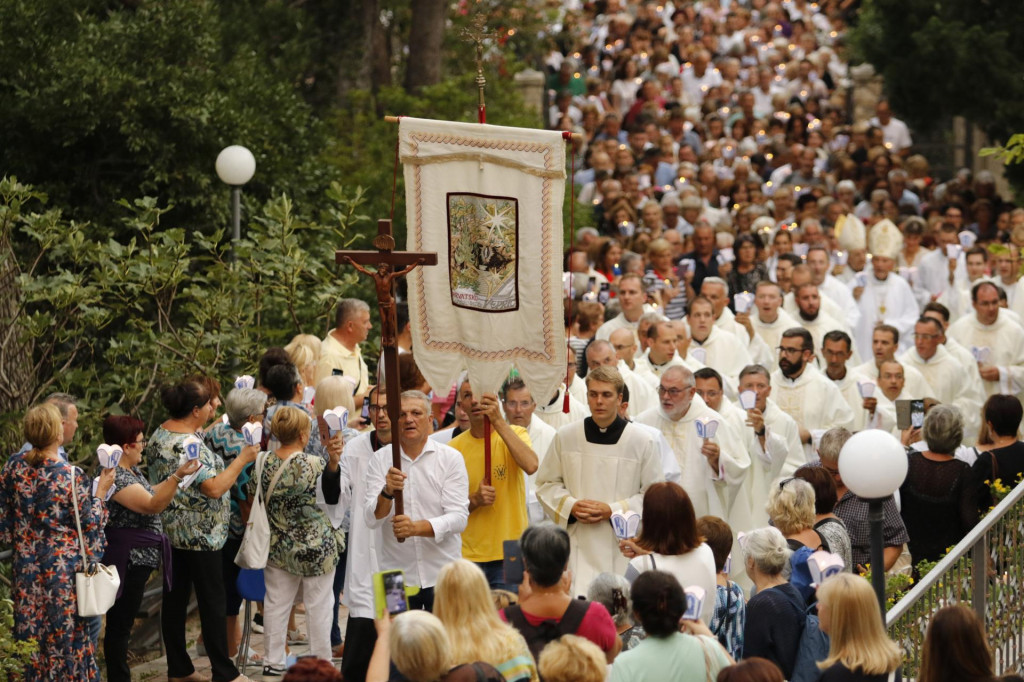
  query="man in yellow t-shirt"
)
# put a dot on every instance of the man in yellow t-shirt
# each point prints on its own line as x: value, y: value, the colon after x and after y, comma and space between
x: 497, y: 512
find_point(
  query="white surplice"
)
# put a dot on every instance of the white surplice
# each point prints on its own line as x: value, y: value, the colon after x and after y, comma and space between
x: 890, y: 301
x: 813, y: 402
x: 953, y: 384
x: 1005, y: 339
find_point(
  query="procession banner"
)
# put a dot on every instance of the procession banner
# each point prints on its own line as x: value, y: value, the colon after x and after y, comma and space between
x: 488, y: 200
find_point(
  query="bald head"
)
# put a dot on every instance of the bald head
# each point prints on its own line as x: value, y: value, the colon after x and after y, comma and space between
x: 601, y: 354
x: 624, y: 343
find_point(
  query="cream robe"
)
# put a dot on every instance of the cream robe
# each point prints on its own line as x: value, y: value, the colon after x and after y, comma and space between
x: 1006, y: 341
x: 914, y: 382
x: 759, y: 351
x: 883, y: 418
x: 618, y: 475
x: 828, y: 306
x: 841, y: 295
x: 642, y: 396
x: 578, y: 389
x: 651, y: 373
x: 962, y: 355
x: 901, y: 311
x: 541, y: 436
x: 617, y: 322
x: 553, y: 416
x: 710, y: 491
x: 771, y: 332
x: 726, y: 352
x: 953, y: 384
x: 813, y: 402
x: 818, y: 327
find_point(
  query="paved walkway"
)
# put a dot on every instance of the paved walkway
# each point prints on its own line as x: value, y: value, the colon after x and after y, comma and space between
x: 156, y: 670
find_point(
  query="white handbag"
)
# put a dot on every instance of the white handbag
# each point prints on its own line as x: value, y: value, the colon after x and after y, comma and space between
x: 96, y: 585
x: 255, y: 547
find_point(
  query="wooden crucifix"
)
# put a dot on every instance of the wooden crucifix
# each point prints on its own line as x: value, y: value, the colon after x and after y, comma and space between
x: 385, y: 259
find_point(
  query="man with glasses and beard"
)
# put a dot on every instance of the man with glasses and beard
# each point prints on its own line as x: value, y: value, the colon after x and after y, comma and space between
x: 804, y: 393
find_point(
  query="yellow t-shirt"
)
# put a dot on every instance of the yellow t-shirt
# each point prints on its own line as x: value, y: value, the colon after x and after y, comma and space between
x: 506, y: 519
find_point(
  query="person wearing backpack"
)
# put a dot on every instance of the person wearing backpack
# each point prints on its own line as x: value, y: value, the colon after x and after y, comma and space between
x: 546, y: 611
x: 860, y: 650
x: 775, y: 614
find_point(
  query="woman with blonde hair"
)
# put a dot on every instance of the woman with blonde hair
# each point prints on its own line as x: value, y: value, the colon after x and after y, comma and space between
x: 304, y: 352
x: 572, y: 658
x: 791, y: 510
x: 859, y: 648
x: 463, y: 602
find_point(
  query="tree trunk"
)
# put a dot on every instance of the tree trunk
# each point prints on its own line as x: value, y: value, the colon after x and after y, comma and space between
x: 426, y: 34
x: 17, y: 383
x: 366, y: 57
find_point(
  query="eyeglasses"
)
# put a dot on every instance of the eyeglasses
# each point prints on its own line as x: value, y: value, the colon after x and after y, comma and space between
x: 141, y: 443
x: 709, y: 394
x: 790, y: 351
x: 783, y: 482
x: 377, y: 408
x: 674, y: 392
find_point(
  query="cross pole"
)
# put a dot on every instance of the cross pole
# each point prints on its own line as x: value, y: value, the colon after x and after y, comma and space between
x: 385, y: 259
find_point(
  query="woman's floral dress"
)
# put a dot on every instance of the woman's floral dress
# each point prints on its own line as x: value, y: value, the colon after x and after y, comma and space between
x: 37, y: 520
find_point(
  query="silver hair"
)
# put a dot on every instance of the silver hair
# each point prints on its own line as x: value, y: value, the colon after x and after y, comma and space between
x: 349, y: 308
x: 242, y: 403
x: 766, y: 548
x: 685, y: 374
x: 943, y: 429
x: 846, y: 184
x: 831, y: 444
x: 63, y: 401
x: 612, y: 591
x: 418, y: 395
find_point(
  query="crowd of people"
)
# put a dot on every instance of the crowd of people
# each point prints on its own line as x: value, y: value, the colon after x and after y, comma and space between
x: 764, y: 277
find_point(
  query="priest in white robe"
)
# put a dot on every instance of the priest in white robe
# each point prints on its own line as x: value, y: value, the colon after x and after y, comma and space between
x: 716, y: 290
x: 641, y: 395
x: 884, y: 297
x: 661, y: 353
x: 813, y: 319
x: 884, y: 342
x: 819, y: 262
x: 804, y: 393
x: 1002, y: 365
x: 519, y: 407
x: 853, y: 385
x: 552, y: 412
x: 712, y: 468
x: 631, y: 297
x: 769, y: 319
x: 721, y: 350
x: 594, y: 468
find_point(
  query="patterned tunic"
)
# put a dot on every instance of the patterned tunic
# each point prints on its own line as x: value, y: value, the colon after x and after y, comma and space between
x: 192, y: 520
x: 228, y: 444
x: 37, y: 520
x: 123, y: 517
x: 302, y: 540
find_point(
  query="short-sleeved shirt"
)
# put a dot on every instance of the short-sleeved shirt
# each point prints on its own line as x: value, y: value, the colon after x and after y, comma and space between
x: 506, y: 519
x: 677, y: 657
x: 597, y: 625
x: 192, y: 520
x: 120, y: 516
x: 228, y: 443
x: 854, y: 513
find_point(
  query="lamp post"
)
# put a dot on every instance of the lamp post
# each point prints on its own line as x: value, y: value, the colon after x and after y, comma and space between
x: 235, y: 167
x: 873, y: 465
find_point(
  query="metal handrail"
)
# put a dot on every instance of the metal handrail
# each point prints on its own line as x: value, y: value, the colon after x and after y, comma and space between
x: 984, y: 570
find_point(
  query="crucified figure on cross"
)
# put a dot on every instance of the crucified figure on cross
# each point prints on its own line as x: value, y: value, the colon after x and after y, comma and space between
x: 384, y: 280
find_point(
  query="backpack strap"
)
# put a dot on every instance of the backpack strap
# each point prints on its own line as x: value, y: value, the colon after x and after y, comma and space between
x: 573, y: 616
x: 515, y: 616
x: 277, y: 474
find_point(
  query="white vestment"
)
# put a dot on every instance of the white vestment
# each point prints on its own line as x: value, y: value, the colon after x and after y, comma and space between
x: 813, y: 402
x: 760, y: 352
x: 710, y: 491
x: 1005, y: 339
x: 914, y: 383
x: 616, y: 323
x: 617, y: 474
x: 827, y: 306
x: 843, y: 297
x: 578, y: 389
x: 953, y: 384
x: 818, y: 327
x: 642, y: 396
x: 553, y: 416
x: 726, y: 353
x: 541, y: 436
x: 934, y: 272
x: 771, y: 332
x: 651, y: 372
x: 890, y: 301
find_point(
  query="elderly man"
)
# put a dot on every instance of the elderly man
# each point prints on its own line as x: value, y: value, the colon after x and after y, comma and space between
x: 641, y: 394
x: 519, y: 405
x: 884, y: 342
x: 593, y: 468
x: 804, y: 393
x: 437, y: 493
x: 713, y: 469
x: 497, y: 498
x: 1000, y: 353
x: 854, y: 511
x: 340, y: 349
x: 883, y: 297
x: 951, y: 381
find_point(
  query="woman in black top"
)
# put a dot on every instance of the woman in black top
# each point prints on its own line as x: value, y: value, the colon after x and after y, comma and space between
x: 1005, y: 459
x: 775, y: 615
x: 955, y: 648
x: 859, y: 648
x: 939, y: 499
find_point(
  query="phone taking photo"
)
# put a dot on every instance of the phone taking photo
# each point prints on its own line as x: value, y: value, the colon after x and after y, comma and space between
x: 365, y: 414
x: 389, y: 592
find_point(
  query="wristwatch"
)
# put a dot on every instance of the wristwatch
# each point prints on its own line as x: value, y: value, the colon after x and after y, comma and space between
x: 384, y: 494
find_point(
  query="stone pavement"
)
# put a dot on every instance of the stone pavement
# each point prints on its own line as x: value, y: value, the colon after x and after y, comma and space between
x: 156, y: 670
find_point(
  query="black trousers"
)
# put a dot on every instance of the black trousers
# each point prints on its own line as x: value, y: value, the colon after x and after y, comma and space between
x: 120, y: 619
x: 202, y: 571
x: 360, y: 638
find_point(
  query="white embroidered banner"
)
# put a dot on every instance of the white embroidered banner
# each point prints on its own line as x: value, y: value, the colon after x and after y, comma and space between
x: 488, y: 200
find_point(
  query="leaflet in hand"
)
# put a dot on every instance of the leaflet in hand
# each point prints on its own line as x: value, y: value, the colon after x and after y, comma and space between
x: 866, y: 388
x: 245, y: 381
x: 308, y: 393
x: 694, y: 602
x: 190, y: 450
x: 743, y: 301
x: 337, y: 420
x: 967, y: 239
x: 801, y: 250
x: 707, y: 427
x: 953, y: 251
x: 95, y: 487
x: 824, y: 565
x: 748, y: 399
x: 726, y: 255
x: 699, y: 354
x: 982, y: 354
x: 861, y: 279
x: 252, y: 432
x: 109, y: 455
x: 625, y: 524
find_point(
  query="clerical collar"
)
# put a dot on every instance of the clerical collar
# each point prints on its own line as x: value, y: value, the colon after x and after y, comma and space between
x: 606, y: 436
x: 700, y: 343
x: 658, y: 364
x: 554, y: 399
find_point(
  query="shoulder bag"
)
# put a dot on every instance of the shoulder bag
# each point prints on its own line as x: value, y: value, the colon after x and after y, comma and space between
x: 96, y: 585
x: 255, y: 547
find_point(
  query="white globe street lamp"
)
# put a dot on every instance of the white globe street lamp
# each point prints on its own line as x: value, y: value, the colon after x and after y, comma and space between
x: 873, y: 465
x: 235, y: 167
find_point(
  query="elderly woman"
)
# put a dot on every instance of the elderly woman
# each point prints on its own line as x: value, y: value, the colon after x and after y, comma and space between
x: 668, y: 654
x: 791, y: 510
x: 135, y: 540
x: 37, y: 520
x: 304, y: 545
x: 669, y: 541
x: 939, y: 499
x: 829, y: 526
x: 612, y: 592
x: 196, y: 523
x: 775, y: 614
x: 242, y: 406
